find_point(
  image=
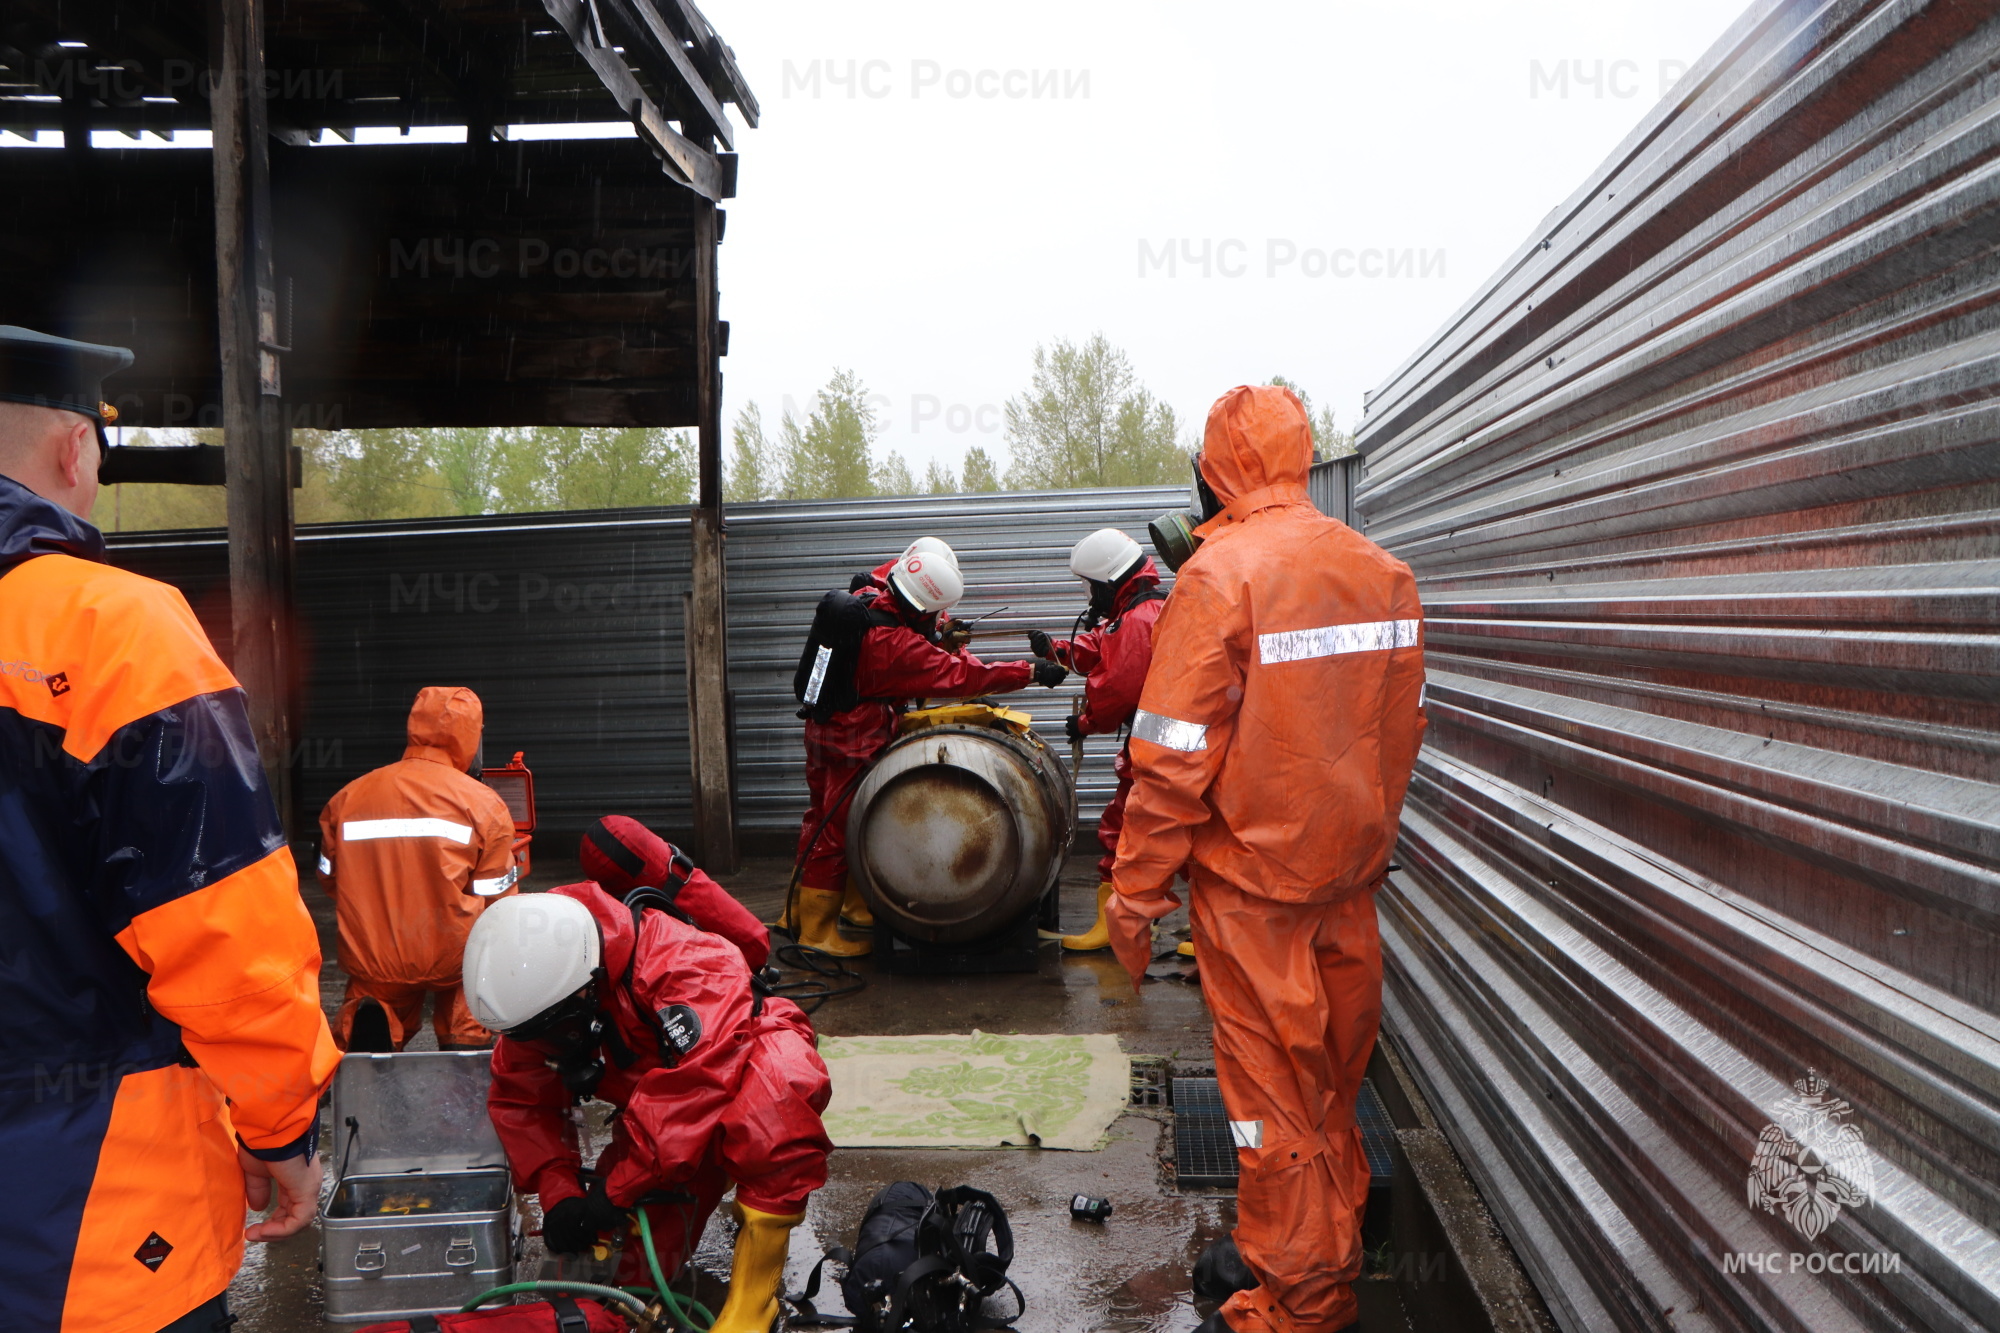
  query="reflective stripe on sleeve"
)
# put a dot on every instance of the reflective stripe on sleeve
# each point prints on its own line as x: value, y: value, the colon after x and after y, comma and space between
x: 362, y: 830
x: 1247, y: 1133
x: 1299, y: 645
x: 325, y: 866
x: 486, y: 888
x: 1170, y: 732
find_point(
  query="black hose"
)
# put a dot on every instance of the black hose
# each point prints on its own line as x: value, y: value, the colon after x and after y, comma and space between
x: 810, y: 992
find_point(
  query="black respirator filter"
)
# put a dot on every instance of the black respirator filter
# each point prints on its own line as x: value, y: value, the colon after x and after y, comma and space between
x: 1173, y: 534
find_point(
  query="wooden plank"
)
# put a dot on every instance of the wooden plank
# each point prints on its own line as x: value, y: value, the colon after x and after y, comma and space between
x: 708, y: 654
x: 255, y: 436
x: 696, y: 166
x: 641, y: 14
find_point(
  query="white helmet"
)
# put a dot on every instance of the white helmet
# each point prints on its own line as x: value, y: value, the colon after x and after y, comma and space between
x: 929, y: 579
x: 1105, y: 556
x: 932, y: 546
x: 527, y: 953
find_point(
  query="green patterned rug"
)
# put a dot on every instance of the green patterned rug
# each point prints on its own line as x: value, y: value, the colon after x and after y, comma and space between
x: 981, y: 1091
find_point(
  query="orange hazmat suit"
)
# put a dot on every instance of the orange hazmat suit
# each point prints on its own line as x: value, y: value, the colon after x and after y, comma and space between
x: 411, y: 854
x: 1271, y: 750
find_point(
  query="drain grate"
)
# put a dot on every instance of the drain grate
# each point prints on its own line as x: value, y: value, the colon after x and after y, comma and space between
x: 1198, y: 1096
x: 1377, y: 1131
x: 1205, y: 1154
x: 1149, y: 1081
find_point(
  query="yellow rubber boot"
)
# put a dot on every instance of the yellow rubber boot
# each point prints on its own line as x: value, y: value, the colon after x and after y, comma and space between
x: 1185, y: 948
x: 1099, y: 935
x: 762, y: 1241
x: 854, y: 913
x: 818, y: 915
x: 784, y: 919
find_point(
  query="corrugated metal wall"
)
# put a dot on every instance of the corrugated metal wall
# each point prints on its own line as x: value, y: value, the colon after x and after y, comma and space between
x: 569, y: 626
x: 1703, y: 491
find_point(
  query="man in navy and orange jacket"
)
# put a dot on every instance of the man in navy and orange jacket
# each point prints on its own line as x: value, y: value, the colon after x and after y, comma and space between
x: 163, y: 1051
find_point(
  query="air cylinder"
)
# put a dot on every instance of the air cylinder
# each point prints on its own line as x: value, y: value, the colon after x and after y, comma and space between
x: 961, y: 825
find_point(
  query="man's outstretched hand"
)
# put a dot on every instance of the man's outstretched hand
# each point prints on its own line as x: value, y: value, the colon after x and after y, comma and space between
x: 290, y: 1189
x: 1130, y: 924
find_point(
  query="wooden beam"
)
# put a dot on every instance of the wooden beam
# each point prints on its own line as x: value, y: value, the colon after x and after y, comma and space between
x: 708, y: 646
x: 695, y: 166
x: 255, y: 436
x: 642, y: 15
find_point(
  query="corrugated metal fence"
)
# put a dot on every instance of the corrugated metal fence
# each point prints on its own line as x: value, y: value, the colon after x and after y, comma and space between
x: 569, y: 626
x: 1697, y: 945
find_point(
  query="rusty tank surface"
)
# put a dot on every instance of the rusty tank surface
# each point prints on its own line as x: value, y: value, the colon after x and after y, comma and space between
x: 962, y: 825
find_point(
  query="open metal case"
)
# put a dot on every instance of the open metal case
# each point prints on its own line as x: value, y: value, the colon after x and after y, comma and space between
x: 421, y: 1218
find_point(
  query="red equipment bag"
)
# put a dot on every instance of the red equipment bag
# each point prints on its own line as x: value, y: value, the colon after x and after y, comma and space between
x: 558, y: 1314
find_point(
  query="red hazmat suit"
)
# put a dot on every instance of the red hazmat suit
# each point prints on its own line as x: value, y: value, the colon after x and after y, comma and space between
x: 1271, y: 760
x: 1113, y: 662
x: 411, y: 854
x: 621, y: 854
x: 897, y: 664
x: 743, y: 1104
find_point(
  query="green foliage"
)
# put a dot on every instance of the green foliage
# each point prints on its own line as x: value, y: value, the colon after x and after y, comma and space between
x: 361, y: 475
x: 755, y: 469
x: 938, y: 480
x: 1086, y: 421
x: 828, y: 457
x: 1329, y: 440
x: 893, y: 477
x: 980, y: 474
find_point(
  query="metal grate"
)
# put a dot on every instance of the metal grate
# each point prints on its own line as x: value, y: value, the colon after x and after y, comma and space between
x: 1149, y: 1081
x: 1378, y: 1133
x: 1205, y: 1154
x: 1197, y: 1096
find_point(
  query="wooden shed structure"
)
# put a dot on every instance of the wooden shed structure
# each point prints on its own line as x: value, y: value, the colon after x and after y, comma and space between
x: 290, y: 277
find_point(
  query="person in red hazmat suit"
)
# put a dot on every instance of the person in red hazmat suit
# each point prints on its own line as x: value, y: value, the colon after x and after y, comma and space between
x: 1125, y: 599
x: 870, y: 652
x: 715, y: 1082
x: 1271, y: 762
x: 411, y: 853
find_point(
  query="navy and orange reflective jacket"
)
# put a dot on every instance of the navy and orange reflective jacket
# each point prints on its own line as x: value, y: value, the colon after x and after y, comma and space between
x: 158, y: 970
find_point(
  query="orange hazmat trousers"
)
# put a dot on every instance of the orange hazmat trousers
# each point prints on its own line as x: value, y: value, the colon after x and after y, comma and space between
x: 1271, y: 751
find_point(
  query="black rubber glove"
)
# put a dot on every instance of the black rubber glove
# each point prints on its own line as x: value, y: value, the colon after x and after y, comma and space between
x: 1041, y: 645
x: 1050, y: 674
x: 955, y: 636
x: 1071, y: 729
x: 573, y: 1226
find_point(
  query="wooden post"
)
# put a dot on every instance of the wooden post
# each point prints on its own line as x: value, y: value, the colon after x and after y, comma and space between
x: 708, y: 653
x: 261, y: 555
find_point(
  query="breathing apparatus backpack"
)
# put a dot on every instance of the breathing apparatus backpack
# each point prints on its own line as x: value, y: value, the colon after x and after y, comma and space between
x: 923, y: 1263
x: 824, y: 682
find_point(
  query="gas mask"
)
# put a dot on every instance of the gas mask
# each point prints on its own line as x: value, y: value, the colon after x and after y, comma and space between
x: 570, y: 1035
x: 1173, y: 533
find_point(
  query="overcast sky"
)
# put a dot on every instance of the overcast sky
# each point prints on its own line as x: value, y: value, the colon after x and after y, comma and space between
x: 928, y: 241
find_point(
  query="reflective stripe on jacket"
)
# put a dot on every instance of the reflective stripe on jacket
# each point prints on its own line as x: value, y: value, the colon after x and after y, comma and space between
x: 414, y: 851
x: 1274, y: 742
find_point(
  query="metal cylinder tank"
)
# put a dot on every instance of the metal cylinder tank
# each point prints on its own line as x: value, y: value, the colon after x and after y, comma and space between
x: 961, y: 825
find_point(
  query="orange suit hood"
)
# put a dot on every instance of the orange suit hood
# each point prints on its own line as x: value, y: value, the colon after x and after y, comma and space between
x: 445, y: 724
x: 1256, y: 451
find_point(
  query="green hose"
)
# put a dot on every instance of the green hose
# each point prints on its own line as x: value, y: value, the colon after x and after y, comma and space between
x: 685, y: 1314
x: 628, y: 1297
x: 602, y: 1293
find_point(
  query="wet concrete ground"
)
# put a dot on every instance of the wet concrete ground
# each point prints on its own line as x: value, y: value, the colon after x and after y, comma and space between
x: 1126, y: 1275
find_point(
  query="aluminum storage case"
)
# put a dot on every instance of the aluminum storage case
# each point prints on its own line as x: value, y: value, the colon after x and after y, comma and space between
x: 422, y: 1216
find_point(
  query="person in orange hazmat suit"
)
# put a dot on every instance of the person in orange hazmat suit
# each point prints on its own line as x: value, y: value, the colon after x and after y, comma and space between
x: 411, y: 854
x: 1271, y: 750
